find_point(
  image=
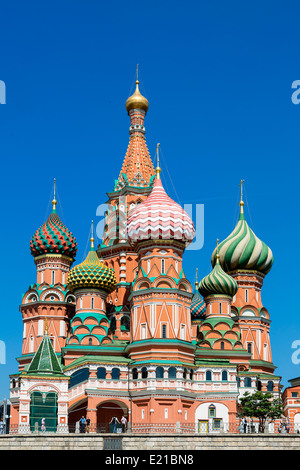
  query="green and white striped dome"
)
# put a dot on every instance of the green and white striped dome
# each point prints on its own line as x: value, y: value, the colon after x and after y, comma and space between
x: 218, y: 283
x: 243, y: 250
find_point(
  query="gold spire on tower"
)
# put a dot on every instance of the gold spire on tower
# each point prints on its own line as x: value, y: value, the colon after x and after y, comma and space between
x: 137, y: 100
x: 217, y: 255
x: 54, y: 202
x: 241, y: 201
x: 196, y: 282
x: 92, y: 239
x: 157, y: 169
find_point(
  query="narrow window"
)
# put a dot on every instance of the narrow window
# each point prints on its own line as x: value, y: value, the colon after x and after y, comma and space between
x: 92, y: 302
x: 246, y: 295
x: 163, y: 266
x: 53, y: 277
x: 249, y: 348
x: 164, y: 331
x: 220, y: 307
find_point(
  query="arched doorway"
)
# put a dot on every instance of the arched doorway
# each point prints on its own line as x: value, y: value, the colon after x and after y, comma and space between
x: 106, y: 411
x: 43, y: 406
x: 75, y: 413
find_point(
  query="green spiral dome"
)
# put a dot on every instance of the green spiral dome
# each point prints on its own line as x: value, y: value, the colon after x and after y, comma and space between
x: 218, y: 283
x: 242, y: 249
x: 92, y: 274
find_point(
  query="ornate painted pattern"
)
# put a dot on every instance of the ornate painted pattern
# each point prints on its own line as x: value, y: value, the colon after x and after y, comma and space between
x: 92, y: 273
x: 243, y: 250
x: 159, y: 217
x: 218, y: 283
x: 53, y: 237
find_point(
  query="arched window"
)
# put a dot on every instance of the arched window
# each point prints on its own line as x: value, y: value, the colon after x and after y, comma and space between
x: 184, y: 374
x: 172, y: 373
x: 191, y: 374
x: 164, y: 331
x: 90, y: 341
x: 270, y: 386
x: 144, y: 373
x: 113, y: 324
x: 247, y: 382
x: 222, y: 345
x: 101, y: 373
x: 92, y: 302
x: 134, y: 373
x: 246, y: 295
x: 125, y: 323
x: 115, y: 373
x: 53, y: 277
x: 211, y: 411
x: 208, y: 375
x: 224, y: 376
x: 259, y: 385
x: 238, y: 381
x: 163, y: 266
x: 159, y: 372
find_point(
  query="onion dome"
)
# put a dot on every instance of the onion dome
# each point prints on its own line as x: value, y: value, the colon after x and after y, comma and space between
x: 198, y: 306
x: 218, y: 282
x: 242, y: 249
x: 159, y: 217
x: 92, y: 274
x: 137, y: 100
x: 53, y: 237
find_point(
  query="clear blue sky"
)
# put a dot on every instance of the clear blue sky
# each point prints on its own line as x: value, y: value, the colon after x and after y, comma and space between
x: 218, y: 78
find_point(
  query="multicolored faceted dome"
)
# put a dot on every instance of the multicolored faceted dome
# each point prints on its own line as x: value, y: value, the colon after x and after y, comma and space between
x: 159, y: 217
x: 198, y: 306
x: 243, y: 250
x: 92, y: 274
x: 218, y: 282
x: 53, y: 238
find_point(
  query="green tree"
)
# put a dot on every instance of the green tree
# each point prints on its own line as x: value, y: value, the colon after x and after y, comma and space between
x: 262, y: 406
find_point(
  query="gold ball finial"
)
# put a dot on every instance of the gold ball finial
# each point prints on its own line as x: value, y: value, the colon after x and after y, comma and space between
x: 157, y: 169
x: 92, y: 239
x: 54, y: 202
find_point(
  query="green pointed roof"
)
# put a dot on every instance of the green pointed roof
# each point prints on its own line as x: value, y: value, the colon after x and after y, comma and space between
x: 45, y: 360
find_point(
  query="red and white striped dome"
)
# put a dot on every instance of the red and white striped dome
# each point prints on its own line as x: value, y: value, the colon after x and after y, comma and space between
x: 159, y: 217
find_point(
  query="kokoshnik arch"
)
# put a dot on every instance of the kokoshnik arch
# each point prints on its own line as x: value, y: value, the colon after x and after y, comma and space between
x: 124, y: 332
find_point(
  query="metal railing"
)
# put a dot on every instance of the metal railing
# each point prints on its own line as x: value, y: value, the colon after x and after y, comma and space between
x: 200, y: 428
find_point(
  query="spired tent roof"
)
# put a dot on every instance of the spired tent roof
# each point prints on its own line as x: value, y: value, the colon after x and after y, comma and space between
x: 45, y: 360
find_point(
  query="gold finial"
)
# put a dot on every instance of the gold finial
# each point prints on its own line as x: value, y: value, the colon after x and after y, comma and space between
x: 217, y: 255
x: 137, y: 72
x: 92, y: 237
x: 46, y: 326
x: 196, y: 282
x: 241, y: 185
x: 158, y: 169
x: 54, y: 202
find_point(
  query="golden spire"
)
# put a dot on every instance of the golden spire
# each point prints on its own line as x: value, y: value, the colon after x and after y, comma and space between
x: 46, y: 326
x: 157, y: 169
x: 92, y: 235
x: 54, y: 202
x: 217, y: 255
x: 241, y: 201
x: 196, y: 282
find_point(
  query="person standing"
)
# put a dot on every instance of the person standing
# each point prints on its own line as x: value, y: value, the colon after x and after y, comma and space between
x: 82, y: 424
x: 88, y: 423
x: 43, y: 427
x: 123, y: 423
x: 114, y: 421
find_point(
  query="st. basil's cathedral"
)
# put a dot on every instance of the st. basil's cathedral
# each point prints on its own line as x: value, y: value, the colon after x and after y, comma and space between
x: 124, y: 333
